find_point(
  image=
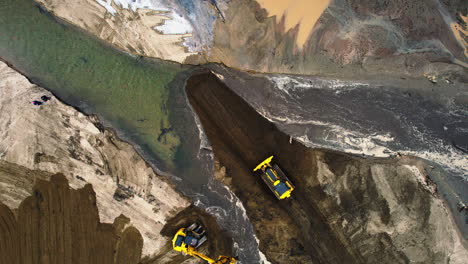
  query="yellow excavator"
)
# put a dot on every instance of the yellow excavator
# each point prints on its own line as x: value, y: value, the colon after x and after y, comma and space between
x: 188, y: 240
x: 275, y: 179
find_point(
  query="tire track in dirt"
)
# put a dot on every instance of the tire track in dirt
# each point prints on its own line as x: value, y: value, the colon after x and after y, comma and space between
x: 291, y: 231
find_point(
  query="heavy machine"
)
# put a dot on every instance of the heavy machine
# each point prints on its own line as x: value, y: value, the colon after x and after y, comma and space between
x: 275, y: 178
x: 188, y: 240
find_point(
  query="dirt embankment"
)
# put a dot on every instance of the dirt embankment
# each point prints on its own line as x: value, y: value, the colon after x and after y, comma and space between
x: 339, y: 37
x: 345, y: 209
x: 60, y: 225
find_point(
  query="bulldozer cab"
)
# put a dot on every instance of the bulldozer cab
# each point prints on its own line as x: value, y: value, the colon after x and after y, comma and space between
x: 275, y: 179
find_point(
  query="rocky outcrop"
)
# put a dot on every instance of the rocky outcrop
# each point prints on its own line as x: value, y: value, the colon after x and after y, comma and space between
x: 345, y: 209
x: 55, y: 138
x: 57, y: 224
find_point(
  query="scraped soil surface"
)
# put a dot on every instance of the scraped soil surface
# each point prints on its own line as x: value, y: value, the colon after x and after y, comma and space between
x: 57, y: 224
x: 291, y: 231
x: 60, y: 225
x: 345, y: 209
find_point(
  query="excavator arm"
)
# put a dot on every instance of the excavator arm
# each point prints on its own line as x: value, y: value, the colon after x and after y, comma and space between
x: 221, y: 259
x: 192, y: 252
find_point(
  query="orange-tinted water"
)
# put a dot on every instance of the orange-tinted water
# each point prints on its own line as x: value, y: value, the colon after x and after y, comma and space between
x: 303, y: 12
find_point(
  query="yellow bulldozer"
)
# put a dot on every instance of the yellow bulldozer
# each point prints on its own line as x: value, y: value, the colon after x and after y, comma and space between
x: 188, y: 240
x: 275, y: 179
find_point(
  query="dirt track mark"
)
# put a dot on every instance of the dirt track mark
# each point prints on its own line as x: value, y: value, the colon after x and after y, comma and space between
x: 291, y: 231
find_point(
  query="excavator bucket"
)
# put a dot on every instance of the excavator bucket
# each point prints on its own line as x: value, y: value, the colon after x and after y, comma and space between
x: 275, y: 179
x: 225, y: 260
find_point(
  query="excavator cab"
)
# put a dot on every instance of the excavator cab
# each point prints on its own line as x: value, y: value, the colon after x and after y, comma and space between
x: 275, y: 179
x: 188, y: 240
x: 193, y: 236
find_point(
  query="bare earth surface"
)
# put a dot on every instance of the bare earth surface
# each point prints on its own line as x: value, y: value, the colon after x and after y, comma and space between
x: 61, y: 225
x: 339, y: 37
x: 346, y: 209
x: 38, y: 141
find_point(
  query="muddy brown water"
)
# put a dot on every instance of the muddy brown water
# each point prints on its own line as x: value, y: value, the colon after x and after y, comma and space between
x: 302, y: 13
x: 293, y: 230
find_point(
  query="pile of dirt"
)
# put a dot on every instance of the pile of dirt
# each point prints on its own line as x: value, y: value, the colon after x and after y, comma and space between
x: 17, y: 183
x: 60, y: 225
x: 346, y: 209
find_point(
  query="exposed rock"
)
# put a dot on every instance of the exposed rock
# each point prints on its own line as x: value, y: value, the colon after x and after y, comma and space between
x: 220, y: 173
x: 54, y: 138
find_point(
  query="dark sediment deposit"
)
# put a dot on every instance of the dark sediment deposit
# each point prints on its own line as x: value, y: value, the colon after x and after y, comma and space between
x: 346, y: 209
x: 60, y: 225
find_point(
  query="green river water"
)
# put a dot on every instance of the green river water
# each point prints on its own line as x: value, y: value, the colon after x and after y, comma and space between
x: 129, y: 92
